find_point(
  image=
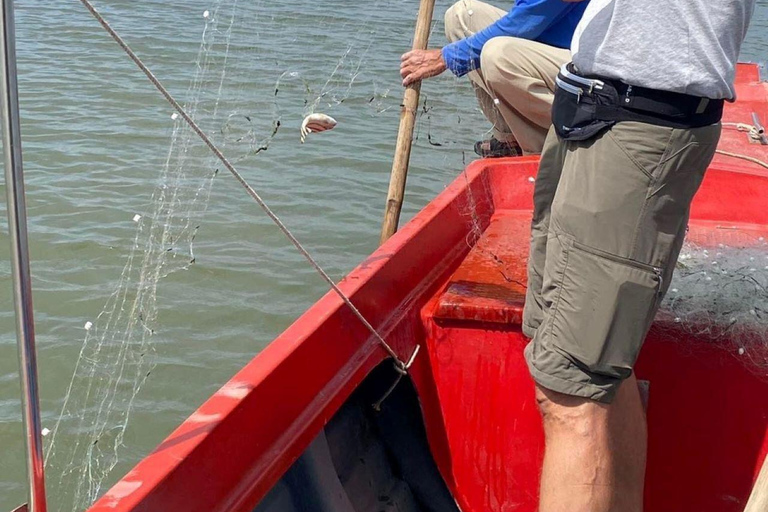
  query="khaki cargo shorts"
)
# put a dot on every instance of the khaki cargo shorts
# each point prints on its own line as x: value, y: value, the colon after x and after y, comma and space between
x: 610, y: 216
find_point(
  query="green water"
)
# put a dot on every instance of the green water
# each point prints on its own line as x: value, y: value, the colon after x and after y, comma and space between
x: 96, y: 136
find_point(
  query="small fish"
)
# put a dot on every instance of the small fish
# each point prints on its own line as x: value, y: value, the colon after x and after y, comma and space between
x: 316, y: 123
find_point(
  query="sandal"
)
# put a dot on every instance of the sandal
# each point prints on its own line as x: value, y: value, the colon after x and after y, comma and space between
x: 494, y: 148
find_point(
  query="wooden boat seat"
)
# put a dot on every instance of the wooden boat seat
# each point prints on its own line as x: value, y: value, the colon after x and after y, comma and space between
x: 489, y: 285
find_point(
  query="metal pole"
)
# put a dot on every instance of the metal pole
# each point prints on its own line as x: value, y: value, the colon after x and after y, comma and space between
x: 17, y: 228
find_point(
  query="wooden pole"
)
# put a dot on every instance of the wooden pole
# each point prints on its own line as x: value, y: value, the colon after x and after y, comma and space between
x: 405, y: 134
x: 758, y: 501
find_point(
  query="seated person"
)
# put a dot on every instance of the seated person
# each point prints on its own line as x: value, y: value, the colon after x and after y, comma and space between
x: 512, y: 59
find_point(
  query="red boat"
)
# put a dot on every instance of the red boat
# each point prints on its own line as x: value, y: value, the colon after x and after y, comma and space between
x: 303, y: 426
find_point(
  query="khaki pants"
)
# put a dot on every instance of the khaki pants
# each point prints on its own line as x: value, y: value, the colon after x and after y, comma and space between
x: 610, y: 216
x: 516, y: 80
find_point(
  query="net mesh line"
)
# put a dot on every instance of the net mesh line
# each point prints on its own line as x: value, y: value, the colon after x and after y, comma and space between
x: 120, y: 337
x: 114, y: 360
x: 251, y: 192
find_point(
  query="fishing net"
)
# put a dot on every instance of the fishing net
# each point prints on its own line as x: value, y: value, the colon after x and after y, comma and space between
x: 252, y: 84
x: 116, y: 355
x: 719, y: 296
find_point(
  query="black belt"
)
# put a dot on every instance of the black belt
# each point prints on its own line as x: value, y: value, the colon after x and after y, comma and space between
x: 585, y: 105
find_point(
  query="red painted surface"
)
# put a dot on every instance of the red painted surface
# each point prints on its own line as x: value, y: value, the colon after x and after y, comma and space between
x: 708, y: 410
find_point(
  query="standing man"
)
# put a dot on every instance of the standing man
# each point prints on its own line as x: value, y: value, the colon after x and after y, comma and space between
x: 636, y: 121
x: 512, y: 59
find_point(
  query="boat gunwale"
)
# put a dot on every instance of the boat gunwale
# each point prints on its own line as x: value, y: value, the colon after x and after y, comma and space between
x: 156, y: 470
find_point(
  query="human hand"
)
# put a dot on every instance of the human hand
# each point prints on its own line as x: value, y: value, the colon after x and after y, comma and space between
x: 420, y: 64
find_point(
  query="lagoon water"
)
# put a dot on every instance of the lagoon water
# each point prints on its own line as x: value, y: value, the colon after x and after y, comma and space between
x: 96, y: 136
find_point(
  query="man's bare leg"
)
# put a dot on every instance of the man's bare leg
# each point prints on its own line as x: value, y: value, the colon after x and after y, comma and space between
x: 595, y: 453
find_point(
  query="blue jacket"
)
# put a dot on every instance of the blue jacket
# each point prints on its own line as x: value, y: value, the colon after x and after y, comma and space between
x: 550, y: 22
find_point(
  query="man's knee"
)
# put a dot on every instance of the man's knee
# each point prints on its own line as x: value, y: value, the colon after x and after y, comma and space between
x: 490, y: 56
x: 495, y: 62
x: 505, y: 59
x: 576, y: 414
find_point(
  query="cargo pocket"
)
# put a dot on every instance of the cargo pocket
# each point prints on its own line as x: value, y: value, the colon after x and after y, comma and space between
x: 605, y: 307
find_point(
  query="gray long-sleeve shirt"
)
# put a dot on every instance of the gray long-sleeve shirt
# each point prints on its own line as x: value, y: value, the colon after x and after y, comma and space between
x: 687, y: 46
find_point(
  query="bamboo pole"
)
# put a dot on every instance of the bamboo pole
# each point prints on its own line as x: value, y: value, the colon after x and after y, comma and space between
x: 758, y: 501
x: 405, y: 133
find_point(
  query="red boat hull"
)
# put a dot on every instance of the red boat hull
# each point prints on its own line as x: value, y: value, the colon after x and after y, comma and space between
x: 439, y: 284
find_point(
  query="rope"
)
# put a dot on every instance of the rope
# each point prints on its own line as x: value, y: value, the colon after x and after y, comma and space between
x: 401, y: 372
x: 743, y: 157
x: 742, y: 127
x: 754, y: 132
x: 399, y: 364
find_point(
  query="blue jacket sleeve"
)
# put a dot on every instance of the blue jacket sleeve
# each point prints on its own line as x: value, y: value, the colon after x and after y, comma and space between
x: 527, y: 20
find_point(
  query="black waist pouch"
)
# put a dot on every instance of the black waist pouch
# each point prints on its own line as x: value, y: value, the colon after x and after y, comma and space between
x: 574, y: 114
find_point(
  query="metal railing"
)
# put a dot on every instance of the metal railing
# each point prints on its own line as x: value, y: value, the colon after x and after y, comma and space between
x: 17, y: 228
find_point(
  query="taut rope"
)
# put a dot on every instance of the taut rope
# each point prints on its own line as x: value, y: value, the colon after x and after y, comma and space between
x: 401, y: 366
x: 743, y: 157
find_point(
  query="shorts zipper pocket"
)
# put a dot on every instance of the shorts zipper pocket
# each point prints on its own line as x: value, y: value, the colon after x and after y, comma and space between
x: 657, y: 271
x: 578, y: 91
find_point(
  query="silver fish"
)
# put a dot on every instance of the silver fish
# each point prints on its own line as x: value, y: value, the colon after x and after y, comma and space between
x: 316, y: 123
